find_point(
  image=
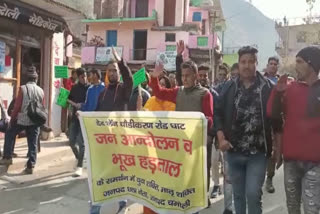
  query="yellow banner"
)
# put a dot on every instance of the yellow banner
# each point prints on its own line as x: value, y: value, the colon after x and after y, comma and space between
x: 157, y: 159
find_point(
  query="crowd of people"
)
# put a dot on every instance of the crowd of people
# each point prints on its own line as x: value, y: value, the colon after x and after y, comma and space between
x: 256, y: 121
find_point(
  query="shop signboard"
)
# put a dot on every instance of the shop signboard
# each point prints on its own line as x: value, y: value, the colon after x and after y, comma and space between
x: 24, y: 15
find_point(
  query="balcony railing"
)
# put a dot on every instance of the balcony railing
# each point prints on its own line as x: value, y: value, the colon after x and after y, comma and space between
x: 143, y: 54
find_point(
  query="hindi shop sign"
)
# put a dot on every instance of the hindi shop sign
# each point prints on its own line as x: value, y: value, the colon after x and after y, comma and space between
x: 168, y: 59
x: 157, y: 159
x: 104, y: 54
x: 25, y: 15
x: 61, y: 71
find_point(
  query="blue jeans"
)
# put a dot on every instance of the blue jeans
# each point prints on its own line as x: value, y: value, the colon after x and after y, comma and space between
x: 247, y: 174
x: 227, y: 186
x: 32, y: 138
x: 76, y: 141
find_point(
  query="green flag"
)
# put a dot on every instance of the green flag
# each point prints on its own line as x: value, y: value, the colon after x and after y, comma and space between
x: 63, y: 97
x: 61, y: 71
x: 138, y: 78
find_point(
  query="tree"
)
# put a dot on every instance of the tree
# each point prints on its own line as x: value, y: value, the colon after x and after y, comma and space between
x: 310, y: 18
x: 311, y: 4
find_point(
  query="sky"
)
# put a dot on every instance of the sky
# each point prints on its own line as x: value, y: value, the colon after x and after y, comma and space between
x: 277, y: 9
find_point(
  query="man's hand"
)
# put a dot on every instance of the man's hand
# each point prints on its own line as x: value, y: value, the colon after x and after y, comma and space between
x: 11, y: 123
x: 277, y: 150
x: 116, y: 55
x: 224, y: 145
x: 282, y: 83
x: 277, y: 157
x: 157, y: 71
x: 77, y: 105
x: 180, y: 47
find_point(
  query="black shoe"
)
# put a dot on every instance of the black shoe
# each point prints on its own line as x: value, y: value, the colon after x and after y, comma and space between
x: 14, y: 155
x: 227, y: 212
x: 269, y: 186
x: 46, y: 128
x: 6, y: 161
x: 215, y: 192
x: 28, y: 171
x: 209, y: 204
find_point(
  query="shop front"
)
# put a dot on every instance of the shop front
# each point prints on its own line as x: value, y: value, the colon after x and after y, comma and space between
x: 26, y: 38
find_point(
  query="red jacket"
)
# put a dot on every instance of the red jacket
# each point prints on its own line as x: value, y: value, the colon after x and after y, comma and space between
x: 68, y: 83
x: 171, y: 95
x: 301, y: 131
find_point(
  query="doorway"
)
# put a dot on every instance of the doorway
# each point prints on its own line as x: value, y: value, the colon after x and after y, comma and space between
x: 169, y: 12
x: 140, y: 44
x: 142, y: 8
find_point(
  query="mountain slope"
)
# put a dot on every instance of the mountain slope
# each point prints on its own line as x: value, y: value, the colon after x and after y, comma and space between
x: 246, y: 25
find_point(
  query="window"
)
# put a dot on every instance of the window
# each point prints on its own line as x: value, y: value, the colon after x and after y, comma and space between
x: 197, y: 17
x: 202, y: 41
x: 112, y: 38
x: 171, y: 48
x: 142, y: 7
x: 170, y: 37
x: 302, y: 37
x: 140, y: 44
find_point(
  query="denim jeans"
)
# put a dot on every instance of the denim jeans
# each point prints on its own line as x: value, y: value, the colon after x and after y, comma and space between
x: 302, y: 180
x: 215, y: 166
x: 76, y: 141
x: 32, y: 138
x: 247, y: 174
x: 227, y: 186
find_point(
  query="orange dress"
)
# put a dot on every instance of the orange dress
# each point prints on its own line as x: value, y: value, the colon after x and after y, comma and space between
x: 155, y: 104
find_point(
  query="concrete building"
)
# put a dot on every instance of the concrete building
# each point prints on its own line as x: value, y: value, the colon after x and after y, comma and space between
x: 294, y: 34
x: 40, y: 33
x: 147, y: 30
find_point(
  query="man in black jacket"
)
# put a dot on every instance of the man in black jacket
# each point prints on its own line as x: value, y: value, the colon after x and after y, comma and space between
x: 78, y: 95
x: 244, y: 131
x: 116, y: 95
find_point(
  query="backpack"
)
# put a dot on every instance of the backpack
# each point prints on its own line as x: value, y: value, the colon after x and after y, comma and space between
x: 36, y: 111
x: 3, y: 119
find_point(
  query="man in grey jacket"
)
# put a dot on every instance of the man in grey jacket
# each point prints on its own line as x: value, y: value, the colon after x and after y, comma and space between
x: 21, y: 121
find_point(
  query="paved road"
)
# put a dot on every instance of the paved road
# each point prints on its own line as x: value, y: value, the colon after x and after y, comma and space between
x: 52, y: 190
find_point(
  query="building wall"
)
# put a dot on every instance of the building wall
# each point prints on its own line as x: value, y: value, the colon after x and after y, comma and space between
x: 193, y: 41
x: 290, y: 35
x: 151, y: 5
x: 179, y: 12
x: 205, y: 13
x: 155, y: 40
x: 289, y: 45
x: 160, y: 11
x: 159, y: 5
x: 57, y: 59
x: 86, y: 7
